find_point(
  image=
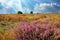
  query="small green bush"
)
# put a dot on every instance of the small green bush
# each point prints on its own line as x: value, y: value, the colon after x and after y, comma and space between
x: 19, y: 12
x: 31, y: 12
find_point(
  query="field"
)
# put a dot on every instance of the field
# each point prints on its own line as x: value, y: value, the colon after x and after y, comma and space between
x: 29, y: 26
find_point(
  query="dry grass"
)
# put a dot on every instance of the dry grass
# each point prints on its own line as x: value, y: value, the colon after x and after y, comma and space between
x: 28, y: 17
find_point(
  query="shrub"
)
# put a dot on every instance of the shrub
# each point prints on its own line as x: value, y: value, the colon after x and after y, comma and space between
x: 19, y: 12
x: 31, y: 31
x: 31, y: 12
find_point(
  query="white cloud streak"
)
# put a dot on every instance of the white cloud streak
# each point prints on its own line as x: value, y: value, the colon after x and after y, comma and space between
x: 43, y: 6
x: 11, y: 4
x: 26, y: 10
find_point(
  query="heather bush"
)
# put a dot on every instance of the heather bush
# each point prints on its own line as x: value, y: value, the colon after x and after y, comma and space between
x: 36, y: 31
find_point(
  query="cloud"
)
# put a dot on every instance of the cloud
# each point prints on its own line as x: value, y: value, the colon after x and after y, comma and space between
x: 26, y: 10
x: 40, y: 6
x: 46, y: 8
x: 6, y: 10
x: 10, y: 6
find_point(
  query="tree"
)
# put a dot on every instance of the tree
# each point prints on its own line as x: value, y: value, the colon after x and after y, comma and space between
x: 31, y: 12
x: 19, y: 12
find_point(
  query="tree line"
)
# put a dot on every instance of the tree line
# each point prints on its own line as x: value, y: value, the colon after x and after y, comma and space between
x: 20, y: 12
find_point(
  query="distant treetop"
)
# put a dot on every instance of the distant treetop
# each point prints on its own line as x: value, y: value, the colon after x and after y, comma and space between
x: 19, y: 12
x: 31, y: 12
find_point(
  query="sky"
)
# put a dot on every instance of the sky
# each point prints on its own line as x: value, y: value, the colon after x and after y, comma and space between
x: 37, y: 6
